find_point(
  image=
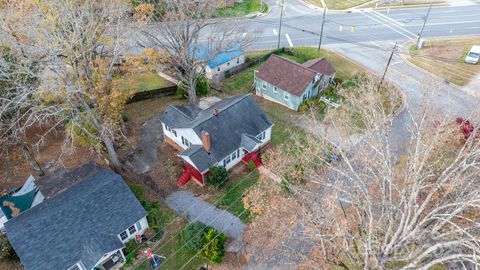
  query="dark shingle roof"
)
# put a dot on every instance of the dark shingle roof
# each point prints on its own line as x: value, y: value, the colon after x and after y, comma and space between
x: 290, y: 76
x: 79, y: 224
x: 320, y: 65
x: 237, y: 116
x: 61, y: 179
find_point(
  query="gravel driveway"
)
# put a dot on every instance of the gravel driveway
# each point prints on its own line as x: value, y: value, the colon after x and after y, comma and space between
x: 186, y: 204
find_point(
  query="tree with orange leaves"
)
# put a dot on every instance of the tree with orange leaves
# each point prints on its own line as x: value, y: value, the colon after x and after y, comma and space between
x: 76, y: 47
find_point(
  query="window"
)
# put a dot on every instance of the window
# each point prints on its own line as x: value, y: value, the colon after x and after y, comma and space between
x: 132, y: 229
x: 139, y: 226
x: 226, y: 161
x: 174, y: 133
x: 124, y: 235
x: 75, y: 267
x: 234, y: 155
x: 275, y: 90
x: 264, y: 85
x: 218, y: 69
x: 261, y: 136
x: 186, y: 142
x: 228, y: 63
x: 238, y: 60
x: 286, y: 96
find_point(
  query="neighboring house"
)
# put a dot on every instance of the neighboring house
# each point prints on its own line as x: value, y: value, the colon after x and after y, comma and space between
x: 19, y: 200
x: 230, y: 131
x: 225, y: 62
x: 87, y: 216
x: 289, y: 83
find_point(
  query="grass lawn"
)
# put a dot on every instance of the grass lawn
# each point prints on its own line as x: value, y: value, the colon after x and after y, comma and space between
x: 445, y: 58
x: 231, y: 197
x: 242, y: 82
x: 141, y: 111
x: 143, y: 82
x: 173, y: 243
x: 242, y: 9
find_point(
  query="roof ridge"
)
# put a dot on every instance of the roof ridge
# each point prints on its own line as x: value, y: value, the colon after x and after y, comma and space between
x: 175, y: 107
x: 240, y: 98
x: 297, y: 64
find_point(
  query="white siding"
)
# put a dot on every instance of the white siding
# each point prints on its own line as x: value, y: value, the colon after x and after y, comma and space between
x: 144, y: 224
x: 211, y: 72
x: 234, y: 161
x: 188, y: 134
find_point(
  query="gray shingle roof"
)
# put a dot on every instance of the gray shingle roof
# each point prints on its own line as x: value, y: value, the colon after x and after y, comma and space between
x: 79, y: 224
x: 237, y: 116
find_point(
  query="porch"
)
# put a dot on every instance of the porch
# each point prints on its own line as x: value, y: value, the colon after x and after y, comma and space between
x: 113, y: 262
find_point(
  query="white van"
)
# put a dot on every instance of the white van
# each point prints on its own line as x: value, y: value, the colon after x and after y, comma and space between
x: 473, y: 56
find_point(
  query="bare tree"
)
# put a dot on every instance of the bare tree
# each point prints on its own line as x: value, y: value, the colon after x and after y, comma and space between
x: 75, y: 46
x: 380, y: 210
x: 383, y: 209
x: 192, y: 38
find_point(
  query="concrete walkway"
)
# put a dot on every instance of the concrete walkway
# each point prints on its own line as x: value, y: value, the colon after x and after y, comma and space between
x: 195, y: 209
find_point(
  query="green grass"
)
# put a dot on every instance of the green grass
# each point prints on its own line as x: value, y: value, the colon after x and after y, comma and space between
x: 176, y: 252
x: 231, y: 198
x: 242, y: 9
x: 143, y: 82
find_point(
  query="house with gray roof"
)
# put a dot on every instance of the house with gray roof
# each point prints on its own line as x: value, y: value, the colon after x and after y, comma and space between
x: 224, y: 134
x: 290, y: 84
x: 83, y: 225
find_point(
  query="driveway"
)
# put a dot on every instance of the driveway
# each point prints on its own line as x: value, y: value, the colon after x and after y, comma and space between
x: 195, y: 209
x: 144, y: 157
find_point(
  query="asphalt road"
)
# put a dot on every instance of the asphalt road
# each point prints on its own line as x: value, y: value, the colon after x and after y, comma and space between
x: 302, y: 24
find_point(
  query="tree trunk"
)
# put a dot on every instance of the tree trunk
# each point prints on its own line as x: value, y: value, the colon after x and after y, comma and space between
x: 112, y: 154
x: 192, y: 92
x: 31, y: 160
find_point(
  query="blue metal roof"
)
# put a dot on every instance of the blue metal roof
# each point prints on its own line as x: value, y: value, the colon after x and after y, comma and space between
x: 202, y: 53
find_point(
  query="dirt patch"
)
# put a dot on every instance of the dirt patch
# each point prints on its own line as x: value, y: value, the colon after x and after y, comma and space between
x: 14, y: 168
x: 445, y: 58
x: 10, y: 265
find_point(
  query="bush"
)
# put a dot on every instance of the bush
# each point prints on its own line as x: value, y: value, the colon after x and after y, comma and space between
x: 251, y: 165
x: 214, y: 249
x: 6, y: 250
x: 130, y: 247
x: 194, y: 235
x: 217, y: 176
x: 284, y: 187
x: 201, y: 88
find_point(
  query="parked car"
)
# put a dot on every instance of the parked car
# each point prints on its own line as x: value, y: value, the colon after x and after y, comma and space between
x: 473, y: 56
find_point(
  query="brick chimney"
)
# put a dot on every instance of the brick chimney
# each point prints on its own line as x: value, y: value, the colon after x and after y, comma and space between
x: 206, y: 141
x: 215, y: 112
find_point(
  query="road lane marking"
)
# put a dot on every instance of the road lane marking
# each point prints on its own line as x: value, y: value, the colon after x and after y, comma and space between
x: 275, y: 32
x: 401, y: 33
x: 388, y: 18
x: 393, y: 25
x: 289, y: 40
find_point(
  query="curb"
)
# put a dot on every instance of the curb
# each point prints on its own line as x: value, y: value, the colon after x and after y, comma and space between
x: 406, y: 61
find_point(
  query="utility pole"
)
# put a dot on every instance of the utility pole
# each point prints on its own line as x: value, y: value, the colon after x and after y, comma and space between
x: 280, y: 26
x: 321, y: 31
x: 424, y: 23
x: 386, y: 68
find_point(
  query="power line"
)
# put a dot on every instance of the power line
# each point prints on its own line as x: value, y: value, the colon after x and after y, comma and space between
x: 191, y: 206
